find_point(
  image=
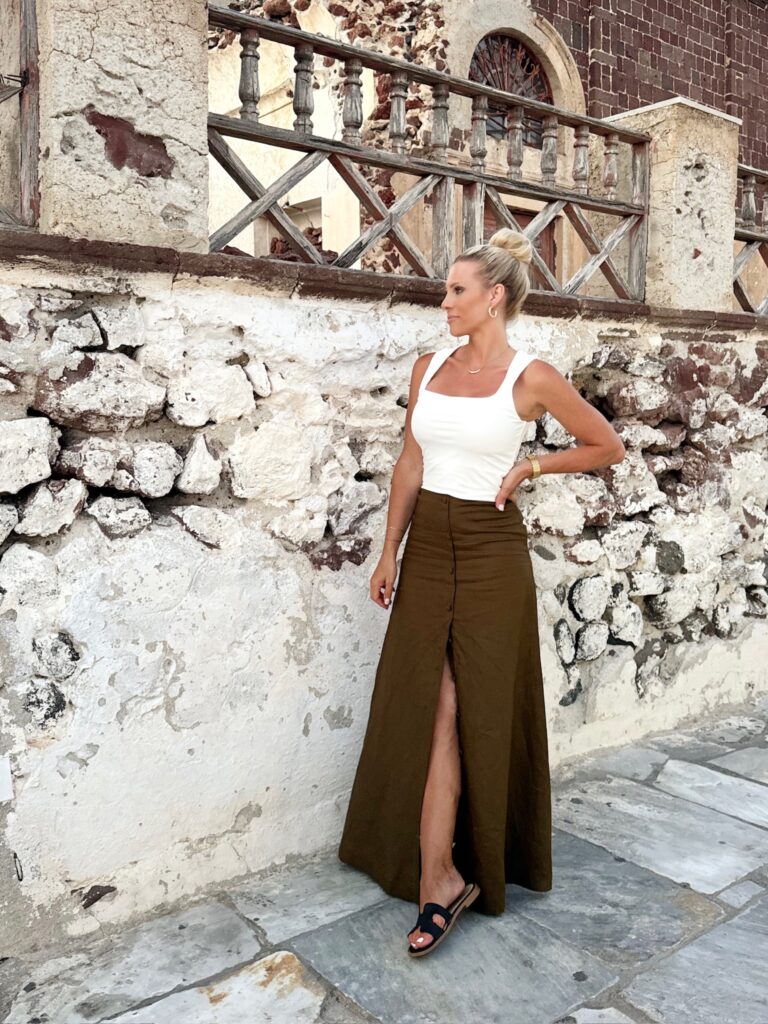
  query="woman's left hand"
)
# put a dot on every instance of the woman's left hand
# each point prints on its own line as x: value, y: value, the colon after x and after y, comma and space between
x: 508, y: 486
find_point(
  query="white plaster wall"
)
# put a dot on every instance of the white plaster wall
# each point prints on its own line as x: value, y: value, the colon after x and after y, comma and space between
x: 211, y: 721
x: 144, y: 64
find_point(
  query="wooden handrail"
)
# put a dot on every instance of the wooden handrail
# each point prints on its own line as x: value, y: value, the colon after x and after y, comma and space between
x: 223, y: 17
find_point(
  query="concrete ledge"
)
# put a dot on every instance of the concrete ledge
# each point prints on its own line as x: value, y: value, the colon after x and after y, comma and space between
x: 34, y: 249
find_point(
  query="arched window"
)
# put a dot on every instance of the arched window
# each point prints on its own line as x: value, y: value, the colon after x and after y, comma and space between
x: 503, y: 62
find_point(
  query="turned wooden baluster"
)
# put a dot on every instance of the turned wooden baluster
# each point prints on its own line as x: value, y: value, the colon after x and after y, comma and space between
x: 581, y: 158
x: 398, y: 93
x: 549, y: 149
x: 748, y: 203
x: 515, y: 123
x: 352, y: 113
x: 610, y: 164
x: 249, y: 75
x: 443, y: 195
x: 474, y: 194
x: 303, y: 100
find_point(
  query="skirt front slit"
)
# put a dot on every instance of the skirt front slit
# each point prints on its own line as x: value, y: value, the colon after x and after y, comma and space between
x: 465, y: 591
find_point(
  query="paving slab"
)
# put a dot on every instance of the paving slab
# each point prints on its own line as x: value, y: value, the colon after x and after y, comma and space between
x: 733, y: 729
x: 740, y: 798
x: 277, y: 988
x: 587, y: 1015
x: 719, y: 978
x: 300, y: 897
x: 498, y: 970
x: 631, y: 762
x: 741, y: 893
x: 685, y: 745
x: 149, y: 960
x: 609, y: 906
x: 751, y: 762
x: 681, y: 840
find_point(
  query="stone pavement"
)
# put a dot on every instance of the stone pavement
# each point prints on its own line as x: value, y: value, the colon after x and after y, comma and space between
x: 658, y: 915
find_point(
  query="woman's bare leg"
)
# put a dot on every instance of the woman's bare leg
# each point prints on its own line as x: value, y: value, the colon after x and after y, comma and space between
x: 440, y: 881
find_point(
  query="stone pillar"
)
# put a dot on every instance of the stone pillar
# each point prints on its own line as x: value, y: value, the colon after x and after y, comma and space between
x: 123, y: 110
x: 693, y: 161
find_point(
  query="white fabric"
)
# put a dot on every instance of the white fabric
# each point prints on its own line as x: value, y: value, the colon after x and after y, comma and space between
x: 468, y: 444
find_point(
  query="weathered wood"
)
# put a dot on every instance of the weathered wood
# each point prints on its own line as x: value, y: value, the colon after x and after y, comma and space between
x: 473, y: 213
x: 443, y: 200
x: 473, y: 196
x: 29, y: 117
x: 610, y: 164
x: 7, y: 88
x: 303, y: 98
x: 581, y: 158
x: 352, y: 113
x: 274, y: 31
x: 742, y: 296
x: 515, y: 125
x: 594, y: 246
x: 537, y: 225
x: 249, y: 91
x: 611, y: 242
x: 438, y: 168
x: 252, y: 187
x: 743, y: 235
x: 748, y: 206
x: 638, y: 235
x: 753, y: 233
x: 477, y: 142
x: 742, y: 258
x: 7, y: 217
x: 398, y: 93
x: 384, y: 226
x: 373, y: 204
x: 237, y: 128
x: 440, y: 97
x: 259, y: 206
x: 549, y: 150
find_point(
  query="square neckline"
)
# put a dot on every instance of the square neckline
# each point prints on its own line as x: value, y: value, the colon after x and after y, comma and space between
x: 473, y: 398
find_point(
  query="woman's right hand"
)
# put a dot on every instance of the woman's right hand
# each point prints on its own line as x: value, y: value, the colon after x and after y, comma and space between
x: 383, y: 580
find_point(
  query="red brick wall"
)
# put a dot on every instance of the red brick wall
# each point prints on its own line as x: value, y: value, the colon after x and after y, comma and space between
x: 633, y: 52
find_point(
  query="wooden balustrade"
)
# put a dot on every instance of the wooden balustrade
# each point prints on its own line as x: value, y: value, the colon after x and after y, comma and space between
x: 752, y: 229
x: 10, y: 87
x: 440, y: 171
x: 20, y: 135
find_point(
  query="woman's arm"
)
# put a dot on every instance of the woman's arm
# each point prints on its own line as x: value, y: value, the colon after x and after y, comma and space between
x: 409, y: 469
x: 406, y: 481
x: 546, y: 390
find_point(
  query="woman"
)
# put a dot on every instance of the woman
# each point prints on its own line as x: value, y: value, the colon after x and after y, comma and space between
x: 451, y: 798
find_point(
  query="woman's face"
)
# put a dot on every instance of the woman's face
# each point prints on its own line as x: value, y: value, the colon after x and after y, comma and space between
x: 467, y: 298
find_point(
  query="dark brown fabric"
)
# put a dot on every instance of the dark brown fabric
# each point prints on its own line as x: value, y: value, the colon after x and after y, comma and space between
x: 465, y: 584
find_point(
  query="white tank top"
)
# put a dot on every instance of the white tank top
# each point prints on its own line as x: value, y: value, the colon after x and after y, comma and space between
x: 468, y: 444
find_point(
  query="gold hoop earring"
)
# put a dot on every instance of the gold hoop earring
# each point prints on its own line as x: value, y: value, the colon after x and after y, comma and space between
x: 493, y: 312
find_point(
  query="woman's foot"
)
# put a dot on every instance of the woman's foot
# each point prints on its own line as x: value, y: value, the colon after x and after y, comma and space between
x: 443, y: 890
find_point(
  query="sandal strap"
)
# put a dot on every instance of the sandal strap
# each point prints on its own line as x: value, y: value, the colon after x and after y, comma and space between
x: 437, y: 908
x: 426, y: 924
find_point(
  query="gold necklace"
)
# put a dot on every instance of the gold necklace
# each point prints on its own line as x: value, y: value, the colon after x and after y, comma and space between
x: 478, y: 369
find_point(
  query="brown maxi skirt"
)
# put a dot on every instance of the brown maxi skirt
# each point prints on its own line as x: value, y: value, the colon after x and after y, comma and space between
x: 465, y: 587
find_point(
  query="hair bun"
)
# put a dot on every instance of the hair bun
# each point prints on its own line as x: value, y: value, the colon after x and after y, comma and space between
x: 514, y: 242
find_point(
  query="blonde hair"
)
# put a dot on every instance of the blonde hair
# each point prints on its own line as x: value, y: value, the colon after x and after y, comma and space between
x: 503, y: 260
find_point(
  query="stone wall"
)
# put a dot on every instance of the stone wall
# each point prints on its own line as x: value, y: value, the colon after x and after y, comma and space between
x: 194, y: 476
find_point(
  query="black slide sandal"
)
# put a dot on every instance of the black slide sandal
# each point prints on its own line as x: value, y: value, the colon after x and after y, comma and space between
x: 449, y: 915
